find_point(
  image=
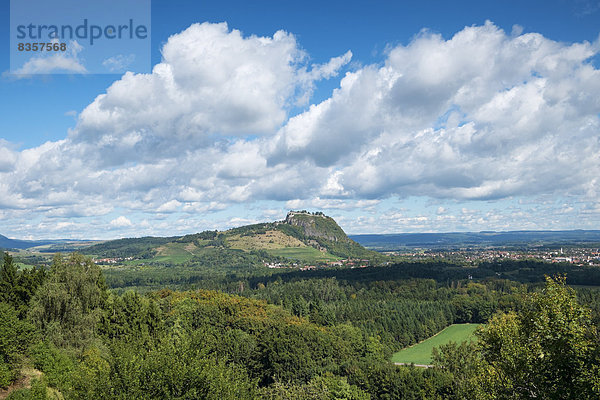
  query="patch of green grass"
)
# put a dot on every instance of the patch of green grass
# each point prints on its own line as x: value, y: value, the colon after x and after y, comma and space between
x: 174, y: 253
x: 307, y: 254
x: 420, y: 353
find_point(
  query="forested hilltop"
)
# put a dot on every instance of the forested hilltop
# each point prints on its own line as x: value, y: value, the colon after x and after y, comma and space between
x: 238, y: 315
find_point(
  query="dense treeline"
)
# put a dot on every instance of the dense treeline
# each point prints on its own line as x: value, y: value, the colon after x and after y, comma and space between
x: 132, y: 247
x: 212, y: 268
x: 214, y: 264
x: 524, y: 271
x: 399, y: 313
x: 535, y: 271
x: 400, y: 303
x: 18, y: 287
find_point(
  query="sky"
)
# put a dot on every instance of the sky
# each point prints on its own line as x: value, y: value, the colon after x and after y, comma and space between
x: 406, y: 116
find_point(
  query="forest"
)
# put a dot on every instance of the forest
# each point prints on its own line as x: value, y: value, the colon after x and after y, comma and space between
x: 324, y: 334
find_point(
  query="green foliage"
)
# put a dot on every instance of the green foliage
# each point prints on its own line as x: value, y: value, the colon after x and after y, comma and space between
x: 292, y: 230
x: 130, y: 316
x: 133, y: 247
x: 338, y: 387
x: 18, y: 287
x: 68, y: 305
x: 281, y: 346
x: 197, y: 237
x: 249, y: 230
x: 317, y: 226
x: 323, y: 334
x: 326, y: 233
x: 294, y: 391
x: 210, y: 346
x: 462, y: 360
x: 386, y: 381
x: 398, y: 313
x: 38, y: 391
x: 56, y: 364
x: 174, y: 367
x: 325, y: 387
x: 7, y: 375
x: 15, y: 337
x: 232, y: 251
x: 549, y: 349
x: 204, y: 344
x: 91, y: 378
x: 8, y: 280
x: 227, y: 260
x: 536, y: 271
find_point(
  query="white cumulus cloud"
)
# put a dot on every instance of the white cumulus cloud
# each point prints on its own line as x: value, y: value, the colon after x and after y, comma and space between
x: 120, y: 222
x: 481, y: 115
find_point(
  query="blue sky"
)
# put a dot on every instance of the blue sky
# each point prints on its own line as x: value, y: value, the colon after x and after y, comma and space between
x: 390, y: 116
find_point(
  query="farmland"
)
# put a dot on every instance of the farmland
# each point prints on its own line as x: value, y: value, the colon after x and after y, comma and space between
x: 306, y: 254
x: 420, y: 353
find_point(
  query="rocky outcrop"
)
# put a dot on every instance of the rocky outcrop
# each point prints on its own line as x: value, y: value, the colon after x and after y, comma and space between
x: 316, y: 226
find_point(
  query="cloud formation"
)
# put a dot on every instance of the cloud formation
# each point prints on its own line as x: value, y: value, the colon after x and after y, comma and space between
x: 482, y: 115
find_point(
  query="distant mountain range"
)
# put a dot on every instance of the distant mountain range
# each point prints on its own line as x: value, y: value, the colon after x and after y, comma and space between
x: 6, y: 243
x: 479, y: 239
x: 52, y: 244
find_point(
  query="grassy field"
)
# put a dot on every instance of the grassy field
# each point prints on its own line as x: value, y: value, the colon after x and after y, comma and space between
x: 175, y: 253
x: 307, y: 254
x: 420, y: 353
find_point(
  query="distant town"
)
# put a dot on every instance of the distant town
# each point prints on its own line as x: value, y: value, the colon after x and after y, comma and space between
x: 351, y: 263
x: 578, y: 256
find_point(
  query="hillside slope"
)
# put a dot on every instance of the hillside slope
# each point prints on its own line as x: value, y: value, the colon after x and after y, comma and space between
x: 302, y: 237
x: 321, y: 231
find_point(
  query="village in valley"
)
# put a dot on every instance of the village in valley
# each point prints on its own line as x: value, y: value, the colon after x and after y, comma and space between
x: 580, y: 256
x: 350, y: 263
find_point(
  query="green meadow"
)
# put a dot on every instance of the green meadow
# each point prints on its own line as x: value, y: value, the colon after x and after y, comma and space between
x: 420, y: 353
x: 306, y: 254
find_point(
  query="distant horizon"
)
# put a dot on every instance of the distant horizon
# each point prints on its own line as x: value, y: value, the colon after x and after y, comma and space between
x: 348, y: 234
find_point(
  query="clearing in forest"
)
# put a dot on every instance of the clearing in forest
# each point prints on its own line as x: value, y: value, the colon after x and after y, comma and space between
x: 420, y: 353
